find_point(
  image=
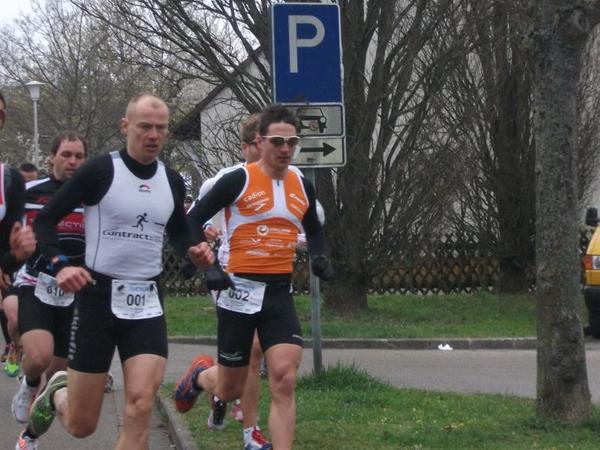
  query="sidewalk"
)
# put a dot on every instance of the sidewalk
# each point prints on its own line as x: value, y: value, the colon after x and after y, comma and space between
x: 105, y: 435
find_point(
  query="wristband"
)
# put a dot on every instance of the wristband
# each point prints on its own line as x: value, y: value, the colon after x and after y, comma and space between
x: 57, y: 262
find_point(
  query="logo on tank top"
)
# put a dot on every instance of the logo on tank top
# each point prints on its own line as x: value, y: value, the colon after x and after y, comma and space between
x: 144, y: 188
x: 262, y: 230
x: 140, y: 220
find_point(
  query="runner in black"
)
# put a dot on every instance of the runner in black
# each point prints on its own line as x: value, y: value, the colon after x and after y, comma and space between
x: 117, y: 301
x: 44, y: 310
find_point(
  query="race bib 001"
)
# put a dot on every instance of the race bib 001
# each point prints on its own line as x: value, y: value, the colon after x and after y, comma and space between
x: 134, y: 300
x: 48, y: 292
x: 246, y: 298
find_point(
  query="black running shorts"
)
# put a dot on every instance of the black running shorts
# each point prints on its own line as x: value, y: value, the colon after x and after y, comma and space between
x: 96, y: 331
x: 37, y: 315
x: 276, y: 323
x: 12, y: 290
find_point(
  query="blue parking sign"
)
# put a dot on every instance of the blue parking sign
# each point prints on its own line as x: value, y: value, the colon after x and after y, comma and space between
x: 306, y: 53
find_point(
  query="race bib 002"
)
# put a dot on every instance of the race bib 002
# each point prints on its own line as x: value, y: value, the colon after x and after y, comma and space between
x: 246, y: 298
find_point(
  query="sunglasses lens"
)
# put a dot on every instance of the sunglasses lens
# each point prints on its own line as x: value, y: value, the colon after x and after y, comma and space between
x: 292, y: 141
x: 277, y: 141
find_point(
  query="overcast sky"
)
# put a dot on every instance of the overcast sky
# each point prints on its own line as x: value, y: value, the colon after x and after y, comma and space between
x: 9, y: 9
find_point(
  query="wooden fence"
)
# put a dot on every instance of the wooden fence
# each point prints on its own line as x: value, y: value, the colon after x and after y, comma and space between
x: 454, y: 264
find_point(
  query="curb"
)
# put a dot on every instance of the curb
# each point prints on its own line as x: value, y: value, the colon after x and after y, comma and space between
x: 520, y: 343
x: 178, y: 430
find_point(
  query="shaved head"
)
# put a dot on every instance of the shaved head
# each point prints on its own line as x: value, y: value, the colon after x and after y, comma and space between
x: 148, y: 99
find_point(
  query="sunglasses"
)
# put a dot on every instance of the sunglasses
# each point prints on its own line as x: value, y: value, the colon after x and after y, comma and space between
x: 278, y: 141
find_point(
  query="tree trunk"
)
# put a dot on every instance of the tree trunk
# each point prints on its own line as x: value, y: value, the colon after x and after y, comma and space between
x: 346, y: 294
x: 562, y: 385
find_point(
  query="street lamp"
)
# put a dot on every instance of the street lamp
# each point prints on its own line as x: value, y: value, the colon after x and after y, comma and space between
x: 34, y: 93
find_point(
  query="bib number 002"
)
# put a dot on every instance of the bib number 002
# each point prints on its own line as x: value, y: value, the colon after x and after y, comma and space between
x: 238, y: 294
x: 246, y: 298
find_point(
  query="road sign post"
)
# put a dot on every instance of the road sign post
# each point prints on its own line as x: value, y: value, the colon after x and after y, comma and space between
x: 307, y: 74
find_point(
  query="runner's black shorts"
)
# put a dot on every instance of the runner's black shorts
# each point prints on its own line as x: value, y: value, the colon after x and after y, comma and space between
x: 276, y: 323
x: 12, y: 290
x: 96, y: 331
x: 37, y: 315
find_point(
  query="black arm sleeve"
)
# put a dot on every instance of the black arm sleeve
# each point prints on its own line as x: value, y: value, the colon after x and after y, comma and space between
x: 223, y: 193
x: 88, y: 185
x: 315, y: 236
x: 177, y: 226
x: 15, y: 203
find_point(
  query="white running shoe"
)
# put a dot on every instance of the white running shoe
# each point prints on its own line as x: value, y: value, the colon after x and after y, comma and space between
x: 216, y: 418
x: 22, y: 400
x: 109, y: 383
x: 26, y: 443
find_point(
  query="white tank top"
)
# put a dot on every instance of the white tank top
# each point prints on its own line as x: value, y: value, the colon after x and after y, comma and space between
x: 124, y: 232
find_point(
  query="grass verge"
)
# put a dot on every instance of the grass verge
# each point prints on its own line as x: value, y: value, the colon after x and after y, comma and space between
x: 345, y: 408
x: 389, y: 316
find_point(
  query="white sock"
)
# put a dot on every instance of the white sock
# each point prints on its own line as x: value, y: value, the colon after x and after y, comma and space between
x: 248, y: 434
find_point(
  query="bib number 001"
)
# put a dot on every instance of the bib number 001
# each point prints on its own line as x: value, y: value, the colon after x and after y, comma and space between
x: 136, y: 300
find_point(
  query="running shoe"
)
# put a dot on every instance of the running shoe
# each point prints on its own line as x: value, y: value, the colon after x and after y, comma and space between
x: 5, y: 354
x: 258, y: 441
x: 236, y: 412
x: 12, y: 366
x: 186, y: 391
x: 26, y: 443
x: 216, y: 418
x: 22, y: 400
x: 264, y: 370
x: 42, y: 410
x: 109, y: 383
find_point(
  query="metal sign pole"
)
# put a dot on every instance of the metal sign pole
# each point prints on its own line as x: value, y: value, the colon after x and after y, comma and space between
x: 315, y: 304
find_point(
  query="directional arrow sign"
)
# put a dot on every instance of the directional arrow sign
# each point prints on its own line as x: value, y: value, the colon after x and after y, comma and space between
x: 321, y: 152
x: 325, y: 149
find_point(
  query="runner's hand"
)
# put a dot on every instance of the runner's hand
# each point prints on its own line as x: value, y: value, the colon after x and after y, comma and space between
x: 73, y: 279
x: 201, y: 255
x: 22, y: 242
x: 211, y: 233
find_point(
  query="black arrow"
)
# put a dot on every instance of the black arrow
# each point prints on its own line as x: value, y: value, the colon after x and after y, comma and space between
x: 326, y: 149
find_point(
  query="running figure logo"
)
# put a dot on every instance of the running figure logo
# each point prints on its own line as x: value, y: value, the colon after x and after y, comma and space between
x: 140, y: 221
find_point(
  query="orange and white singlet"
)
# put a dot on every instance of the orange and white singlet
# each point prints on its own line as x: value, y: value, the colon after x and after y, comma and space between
x: 264, y: 221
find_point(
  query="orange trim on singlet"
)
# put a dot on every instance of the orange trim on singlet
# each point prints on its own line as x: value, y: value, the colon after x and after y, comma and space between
x: 264, y: 223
